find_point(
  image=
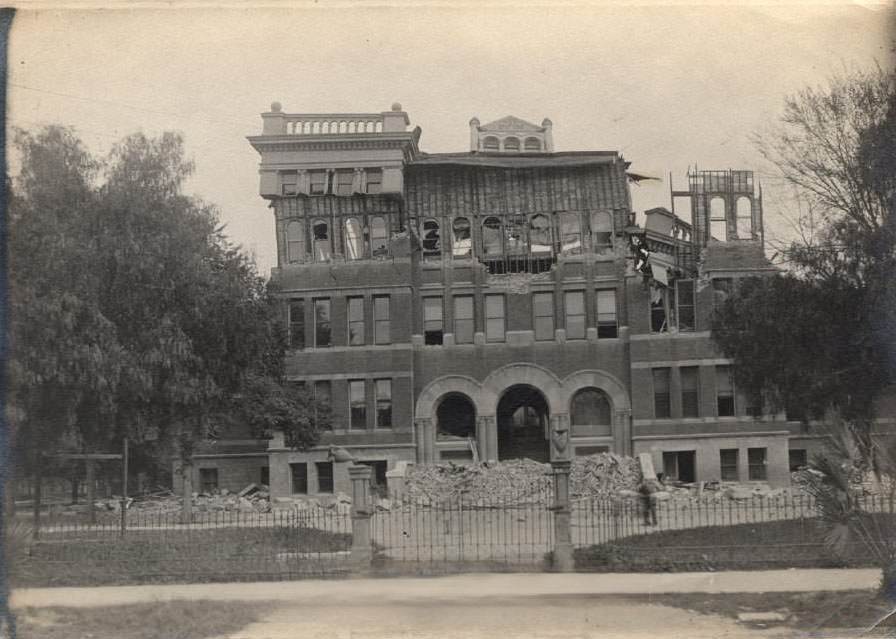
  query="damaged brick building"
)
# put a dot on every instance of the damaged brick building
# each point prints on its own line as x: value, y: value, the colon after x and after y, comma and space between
x: 459, y: 306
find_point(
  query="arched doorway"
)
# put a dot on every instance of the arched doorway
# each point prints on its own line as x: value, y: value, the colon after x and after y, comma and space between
x: 455, y: 418
x: 523, y: 421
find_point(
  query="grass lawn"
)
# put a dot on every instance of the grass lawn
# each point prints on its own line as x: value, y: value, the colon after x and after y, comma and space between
x: 172, y: 620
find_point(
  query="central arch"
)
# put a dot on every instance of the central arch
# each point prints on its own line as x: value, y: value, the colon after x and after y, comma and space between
x: 523, y: 421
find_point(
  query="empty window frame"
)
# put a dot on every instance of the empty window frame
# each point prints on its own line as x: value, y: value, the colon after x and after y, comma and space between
x: 383, y: 389
x: 433, y: 326
x: 543, y: 316
x: 606, y: 314
x: 690, y: 391
x: 322, y: 329
x: 661, y: 404
x: 718, y: 225
x: 540, y: 235
x: 322, y: 396
x: 684, y: 304
x: 515, y: 235
x: 345, y: 182
x: 357, y: 403
x: 295, y: 241
x: 355, y: 321
x: 432, y: 239
x: 601, y: 232
x: 461, y: 238
x: 728, y: 464
x: 757, y: 464
x: 570, y: 224
x: 797, y: 459
x: 354, y: 239
x: 722, y: 287
x: 744, y: 218
x: 208, y: 480
x: 463, y: 319
x: 374, y: 179
x: 289, y: 183
x: 323, y: 249
x: 317, y: 182
x: 724, y: 391
x: 574, y: 308
x: 382, y: 324
x: 492, y: 240
x: 659, y: 309
x: 297, y: 324
x: 379, y: 237
x: 324, y: 476
x: 494, y: 318
x: 299, y: 474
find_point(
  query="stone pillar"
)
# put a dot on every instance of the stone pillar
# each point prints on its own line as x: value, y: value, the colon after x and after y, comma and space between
x: 357, y: 178
x: 548, y: 135
x: 563, y: 558
x: 486, y: 425
x: 420, y: 434
x: 481, y: 439
x: 622, y: 432
x: 303, y: 183
x: 426, y: 442
x: 361, y: 550
x: 474, y: 134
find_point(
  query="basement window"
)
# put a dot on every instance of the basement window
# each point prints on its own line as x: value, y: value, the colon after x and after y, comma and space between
x: 324, y: 477
x: 208, y: 480
x: 757, y: 462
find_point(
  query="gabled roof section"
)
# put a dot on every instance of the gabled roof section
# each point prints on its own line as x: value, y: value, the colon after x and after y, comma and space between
x: 510, y: 123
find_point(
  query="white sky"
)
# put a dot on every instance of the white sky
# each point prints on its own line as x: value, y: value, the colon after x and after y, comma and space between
x: 668, y: 86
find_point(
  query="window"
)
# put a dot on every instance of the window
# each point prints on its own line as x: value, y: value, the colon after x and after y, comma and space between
x: 432, y: 242
x: 661, y: 406
x: 722, y: 288
x: 374, y: 181
x: 570, y: 233
x: 684, y: 290
x: 532, y: 144
x: 491, y: 143
x: 355, y: 321
x: 322, y: 248
x: 265, y: 476
x: 324, y: 477
x: 295, y: 242
x: 357, y: 402
x: 455, y: 418
x: 322, y: 395
x: 797, y: 458
x: 354, y: 239
x: 658, y: 309
x: 297, y: 324
x: 491, y: 236
x: 299, y: 474
x: 690, y: 395
x: 590, y: 407
x: 540, y: 235
x: 322, y: 333
x: 756, y: 464
x: 208, y: 480
x: 574, y: 303
x: 432, y: 321
x: 463, y: 319
x: 345, y: 182
x: 462, y: 240
x: 724, y: 391
x: 718, y: 227
x: 601, y: 232
x: 515, y: 235
x: 606, y: 314
x: 379, y: 237
x: 744, y: 218
x: 288, y: 182
x: 318, y: 182
x: 543, y: 315
x: 512, y: 144
x: 382, y: 326
x: 494, y: 318
x: 383, y: 403
x: 728, y: 464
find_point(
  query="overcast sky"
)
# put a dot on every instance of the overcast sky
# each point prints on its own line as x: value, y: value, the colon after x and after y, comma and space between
x: 669, y: 87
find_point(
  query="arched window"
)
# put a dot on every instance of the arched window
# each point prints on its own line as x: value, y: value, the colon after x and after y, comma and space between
x: 491, y: 236
x: 455, y: 418
x: 462, y: 240
x: 354, y: 239
x: 744, y: 218
x: 323, y: 250
x: 570, y: 233
x: 718, y: 226
x: 532, y: 144
x: 601, y: 231
x: 432, y: 241
x: 540, y: 234
x: 590, y: 413
x: 491, y: 143
x: 379, y: 237
x: 295, y: 242
x: 511, y: 144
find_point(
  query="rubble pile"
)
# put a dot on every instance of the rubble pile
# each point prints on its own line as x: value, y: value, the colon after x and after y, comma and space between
x: 604, y: 474
x: 488, y: 482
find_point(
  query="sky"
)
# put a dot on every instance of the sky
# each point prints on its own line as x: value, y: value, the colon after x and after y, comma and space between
x: 669, y: 86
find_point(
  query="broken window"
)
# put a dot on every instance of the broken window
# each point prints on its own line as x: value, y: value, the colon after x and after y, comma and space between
x: 383, y: 403
x: 661, y: 404
x: 462, y: 241
x: 299, y: 473
x: 463, y: 319
x: 322, y: 249
x: 379, y: 237
x: 540, y: 235
x: 570, y: 233
x: 432, y: 241
x: 514, y: 235
x: 543, y: 315
x: 757, y: 464
x: 684, y: 291
x: 744, y: 218
x: 432, y: 321
x: 354, y: 239
x: 690, y: 391
x: 455, y: 417
x: 297, y: 324
x: 295, y: 242
x: 606, y: 314
x: 491, y: 236
x: 659, y: 308
x: 680, y: 465
x: 797, y: 459
x: 718, y: 225
x: 574, y: 307
x: 494, y: 318
x: 728, y: 464
x: 724, y: 391
x: 324, y: 476
x: 601, y: 232
x: 357, y: 402
x: 322, y: 333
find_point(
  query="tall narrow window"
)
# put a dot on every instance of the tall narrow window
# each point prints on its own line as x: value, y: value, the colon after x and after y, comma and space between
x: 324, y: 477
x: 344, y: 182
x: 540, y: 235
x: 288, y: 182
x: 684, y: 290
x: 357, y: 401
x: 494, y: 318
x: 570, y: 232
x: 379, y: 237
x: 323, y: 250
x: 514, y: 235
x: 757, y: 464
x: 318, y: 182
x: 606, y: 314
x: 432, y: 321
x: 299, y: 472
x: 295, y: 242
x: 322, y: 333
x: 374, y: 181
x: 432, y: 239
x: 601, y: 232
x: 491, y: 236
x: 463, y: 319
x: 354, y: 239
x: 728, y: 464
x: 690, y: 393
x: 384, y: 403
x: 744, y: 218
x: 322, y: 395
x: 543, y: 315
x: 574, y: 303
x: 718, y: 226
x: 661, y: 406
x: 382, y: 324
x: 297, y: 324
x: 724, y: 391
x: 659, y: 309
x: 355, y: 321
x: 462, y: 240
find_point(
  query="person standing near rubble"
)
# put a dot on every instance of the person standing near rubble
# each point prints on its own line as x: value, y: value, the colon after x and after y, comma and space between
x: 648, y: 489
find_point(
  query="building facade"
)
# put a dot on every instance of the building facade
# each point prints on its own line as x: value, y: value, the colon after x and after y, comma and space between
x: 462, y: 306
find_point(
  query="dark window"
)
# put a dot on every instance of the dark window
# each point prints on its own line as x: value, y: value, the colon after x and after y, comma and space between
x: 265, y: 476
x: 463, y: 319
x: 690, y: 391
x: 685, y: 304
x: 574, y: 301
x: 492, y: 237
x: 543, y: 315
x: 462, y: 240
x: 661, y: 407
x: 379, y: 237
x: 384, y: 403
x: 355, y: 321
x: 295, y: 242
x: 756, y: 461
x: 288, y: 181
x: 680, y: 465
x: 494, y: 318
x: 432, y: 240
x: 606, y: 314
x: 728, y: 464
x: 601, y: 232
x: 297, y: 324
x: 512, y: 144
x: 318, y: 182
x: 324, y: 477
x: 658, y: 309
x: 344, y: 182
x: 382, y: 326
x: 374, y: 181
x: 378, y: 478
x: 322, y: 395
x: 357, y: 401
x: 432, y: 320
x: 584, y: 451
x: 299, y: 473
x: 322, y: 334
x: 724, y: 391
x: 798, y: 459
x: 455, y: 418
x: 354, y: 239
x: 208, y: 480
x: 323, y: 250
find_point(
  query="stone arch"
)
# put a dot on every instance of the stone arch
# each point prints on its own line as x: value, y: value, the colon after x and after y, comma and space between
x: 429, y: 398
x: 530, y: 374
x: 601, y: 380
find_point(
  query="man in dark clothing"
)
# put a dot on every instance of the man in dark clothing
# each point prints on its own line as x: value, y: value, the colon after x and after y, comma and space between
x: 648, y: 489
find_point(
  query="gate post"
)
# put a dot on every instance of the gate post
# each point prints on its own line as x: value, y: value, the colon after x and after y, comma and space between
x: 563, y: 559
x: 360, y: 476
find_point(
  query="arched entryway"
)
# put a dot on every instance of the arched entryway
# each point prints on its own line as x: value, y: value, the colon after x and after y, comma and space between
x: 523, y: 421
x: 455, y: 418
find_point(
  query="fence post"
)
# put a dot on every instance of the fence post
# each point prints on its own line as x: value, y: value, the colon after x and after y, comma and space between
x: 563, y: 559
x: 360, y: 476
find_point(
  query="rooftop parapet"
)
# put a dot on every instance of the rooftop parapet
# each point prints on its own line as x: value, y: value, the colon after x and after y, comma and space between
x: 276, y: 122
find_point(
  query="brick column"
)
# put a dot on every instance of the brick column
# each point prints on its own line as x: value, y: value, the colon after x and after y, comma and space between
x: 361, y: 549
